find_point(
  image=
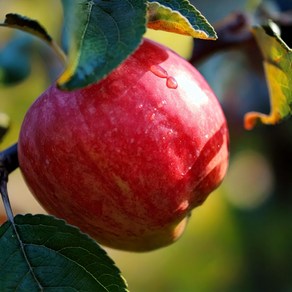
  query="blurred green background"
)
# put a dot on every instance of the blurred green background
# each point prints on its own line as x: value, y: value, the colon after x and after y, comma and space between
x: 241, y: 238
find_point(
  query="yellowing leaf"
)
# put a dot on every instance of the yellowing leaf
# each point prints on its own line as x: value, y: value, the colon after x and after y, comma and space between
x: 277, y: 64
x: 178, y: 17
x: 277, y: 81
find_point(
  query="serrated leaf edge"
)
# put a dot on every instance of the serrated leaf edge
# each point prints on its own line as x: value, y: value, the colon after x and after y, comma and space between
x: 200, y: 33
x: 76, y: 231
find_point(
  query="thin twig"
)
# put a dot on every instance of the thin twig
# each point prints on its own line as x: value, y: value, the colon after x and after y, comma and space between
x: 4, y: 194
x: 8, y: 163
x: 9, y: 159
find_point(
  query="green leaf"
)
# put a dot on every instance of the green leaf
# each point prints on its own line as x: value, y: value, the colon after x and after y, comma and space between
x: 179, y: 16
x: 32, y: 27
x: 65, y: 41
x: 101, y: 35
x: 277, y: 64
x: 41, y: 253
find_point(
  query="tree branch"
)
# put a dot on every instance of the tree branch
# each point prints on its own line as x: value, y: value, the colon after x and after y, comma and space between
x: 233, y: 32
x: 8, y: 163
x: 9, y: 159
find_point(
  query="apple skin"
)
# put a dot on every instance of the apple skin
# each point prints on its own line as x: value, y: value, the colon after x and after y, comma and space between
x: 128, y: 158
x: 2, y: 219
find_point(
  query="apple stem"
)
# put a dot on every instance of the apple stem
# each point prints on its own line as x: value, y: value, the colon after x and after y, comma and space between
x: 8, y: 163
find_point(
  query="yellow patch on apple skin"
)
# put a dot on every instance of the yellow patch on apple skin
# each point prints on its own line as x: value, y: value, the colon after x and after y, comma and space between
x: 123, y: 185
x: 154, y: 239
x: 180, y: 228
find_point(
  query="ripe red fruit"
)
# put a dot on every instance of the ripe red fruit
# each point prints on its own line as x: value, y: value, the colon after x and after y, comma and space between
x: 128, y: 158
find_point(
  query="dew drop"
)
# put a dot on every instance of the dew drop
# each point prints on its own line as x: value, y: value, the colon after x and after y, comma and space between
x: 159, y: 71
x: 171, y: 82
x: 152, y: 117
x: 161, y: 104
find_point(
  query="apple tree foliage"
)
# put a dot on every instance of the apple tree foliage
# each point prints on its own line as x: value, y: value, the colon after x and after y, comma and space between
x: 277, y: 64
x: 39, y: 252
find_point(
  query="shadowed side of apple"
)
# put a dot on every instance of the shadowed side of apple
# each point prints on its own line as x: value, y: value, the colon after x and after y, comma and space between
x: 128, y: 158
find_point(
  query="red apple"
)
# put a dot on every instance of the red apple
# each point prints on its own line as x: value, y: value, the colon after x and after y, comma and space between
x: 128, y: 158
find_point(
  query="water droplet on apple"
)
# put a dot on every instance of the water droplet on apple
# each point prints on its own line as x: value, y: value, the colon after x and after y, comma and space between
x: 161, y: 104
x: 159, y: 71
x: 171, y: 82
